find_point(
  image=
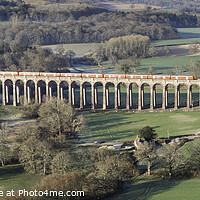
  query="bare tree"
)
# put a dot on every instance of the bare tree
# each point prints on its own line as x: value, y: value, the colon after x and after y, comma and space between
x: 194, y: 155
x: 152, y: 51
x: 4, y: 144
x: 194, y: 68
x: 146, y: 152
x: 34, y: 152
x: 171, y: 157
x: 151, y: 71
x: 166, y: 50
x: 194, y: 47
x: 60, y: 118
x: 179, y: 70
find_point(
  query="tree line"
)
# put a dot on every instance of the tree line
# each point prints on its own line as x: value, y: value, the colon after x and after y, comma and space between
x: 47, y: 13
x: 100, y: 28
x: 19, y: 57
x: 81, y: 23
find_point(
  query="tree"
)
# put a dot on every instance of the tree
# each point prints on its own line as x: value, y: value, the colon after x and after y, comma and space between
x: 60, y: 119
x: 179, y: 70
x: 151, y: 71
x: 148, y: 133
x: 152, y: 51
x: 194, y: 68
x: 124, y: 68
x: 99, y: 55
x: 166, y: 50
x: 146, y: 152
x: 4, y: 144
x: 194, y: 47
x: 34, y: 152
x: 113, y: 60
x: 171, y: 157
x: 129, y: 66
x: 70, y: 54
x: 116, y: 167
x: 63, y: 163
x: 67, y: 182
x: 194, y: 155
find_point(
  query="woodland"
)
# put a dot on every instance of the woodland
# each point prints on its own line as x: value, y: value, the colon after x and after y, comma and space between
x: 84, y: 23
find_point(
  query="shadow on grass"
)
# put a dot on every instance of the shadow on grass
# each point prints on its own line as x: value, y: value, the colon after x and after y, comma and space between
x: 8, y: 172
x: 143, y: 190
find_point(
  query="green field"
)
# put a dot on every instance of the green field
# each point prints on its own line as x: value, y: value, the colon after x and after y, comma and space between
x: 161, y: 64
x: 8, y: 111
x: 160, y: 190
x: 14, y: 177
x: 187, y: 36
x: 118, y: 126
x: 165, y: 64
x: 79, y: 49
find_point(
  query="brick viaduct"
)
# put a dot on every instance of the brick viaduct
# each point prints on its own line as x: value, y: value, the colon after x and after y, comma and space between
x: 30, y: 87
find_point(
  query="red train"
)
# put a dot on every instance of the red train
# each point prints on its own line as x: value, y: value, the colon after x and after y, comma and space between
x: 120, y: 76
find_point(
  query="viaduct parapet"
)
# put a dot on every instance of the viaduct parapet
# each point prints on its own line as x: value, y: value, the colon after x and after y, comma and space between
x: 24, y: 89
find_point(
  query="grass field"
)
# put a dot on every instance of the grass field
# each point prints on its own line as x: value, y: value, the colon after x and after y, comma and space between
x: 8, y: 111
x: 79, y: 49
x: 160, y: 190
x: 187, y: 36
x: 165, y: 64
x: 112, y: 126
x: 161, y: 64
x: 14, y: 177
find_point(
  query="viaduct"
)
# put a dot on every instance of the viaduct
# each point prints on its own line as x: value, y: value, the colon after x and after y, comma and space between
x: 24, y: 89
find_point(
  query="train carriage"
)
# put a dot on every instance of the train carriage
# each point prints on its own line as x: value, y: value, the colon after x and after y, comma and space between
x: 92, y: 75
x: 114, y: 76
x: 130, y: 76
x: 182, y: 77
x: 50, y: 74
x: 161, y: 77
x: 9, y: 73
x: 29, y: 73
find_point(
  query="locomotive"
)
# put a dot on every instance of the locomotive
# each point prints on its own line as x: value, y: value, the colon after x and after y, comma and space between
x: 118, y: 76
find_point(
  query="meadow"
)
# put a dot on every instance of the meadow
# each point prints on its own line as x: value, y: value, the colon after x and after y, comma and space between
x: 79, y: 49
x: 124, y: 126
x: 157, y: 189
x: 187, y: 36
x: 14, y: 177
x: 8, y: 111
x: 165, y: 64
